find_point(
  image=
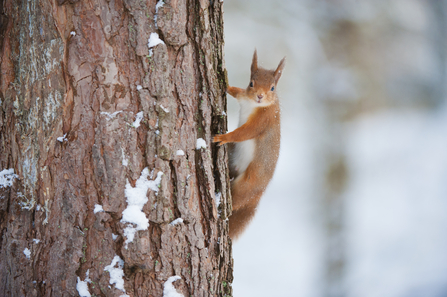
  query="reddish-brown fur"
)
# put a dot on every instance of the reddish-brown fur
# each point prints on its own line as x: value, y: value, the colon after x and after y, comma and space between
x: 262, y: 125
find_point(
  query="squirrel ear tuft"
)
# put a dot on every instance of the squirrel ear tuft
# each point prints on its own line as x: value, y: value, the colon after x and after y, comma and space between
x: 254, y: 63
x: 279, y: 70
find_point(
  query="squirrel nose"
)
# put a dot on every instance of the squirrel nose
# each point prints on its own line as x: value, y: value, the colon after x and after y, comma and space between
x: 260, y: 96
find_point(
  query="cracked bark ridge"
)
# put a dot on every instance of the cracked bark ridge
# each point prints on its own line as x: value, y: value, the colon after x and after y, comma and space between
x: 81, y: 71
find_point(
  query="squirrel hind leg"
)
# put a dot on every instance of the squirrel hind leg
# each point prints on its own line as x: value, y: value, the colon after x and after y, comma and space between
x: 240, y: 219
x: 246, y: 191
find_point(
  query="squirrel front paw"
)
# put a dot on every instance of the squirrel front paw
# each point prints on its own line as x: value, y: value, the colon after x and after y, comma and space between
x: 235, y: 92
x: 220, y: 139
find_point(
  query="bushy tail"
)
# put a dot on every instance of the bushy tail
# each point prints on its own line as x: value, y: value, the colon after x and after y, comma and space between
x: 246, y: 191
x: 240, y: 219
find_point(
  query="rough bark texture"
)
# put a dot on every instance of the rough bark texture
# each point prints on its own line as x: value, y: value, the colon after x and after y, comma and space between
x: 73, y: 67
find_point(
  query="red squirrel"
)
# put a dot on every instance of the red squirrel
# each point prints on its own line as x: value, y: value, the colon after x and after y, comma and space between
x: 254, y: 145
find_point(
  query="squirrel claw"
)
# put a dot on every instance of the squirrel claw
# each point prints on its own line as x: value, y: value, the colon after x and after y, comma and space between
x: 218, y: 138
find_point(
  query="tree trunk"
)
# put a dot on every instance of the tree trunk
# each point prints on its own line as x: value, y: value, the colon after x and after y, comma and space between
x: 75, y: 77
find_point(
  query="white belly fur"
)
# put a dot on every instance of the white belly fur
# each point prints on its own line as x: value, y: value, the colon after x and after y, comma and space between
x: 244, y: 151
x: 243, y: 155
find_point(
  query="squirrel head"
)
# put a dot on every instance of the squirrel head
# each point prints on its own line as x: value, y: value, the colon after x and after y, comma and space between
x: 262, y: 86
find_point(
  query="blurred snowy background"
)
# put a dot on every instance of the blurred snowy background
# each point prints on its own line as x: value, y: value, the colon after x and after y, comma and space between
x: 358, y: 204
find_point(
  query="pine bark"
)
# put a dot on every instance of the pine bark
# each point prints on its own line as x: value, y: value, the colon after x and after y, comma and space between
x: 70, y: 69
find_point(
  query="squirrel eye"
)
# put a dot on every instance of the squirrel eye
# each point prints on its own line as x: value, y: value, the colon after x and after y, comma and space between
x: 273, y: 88
x: 251, y: 84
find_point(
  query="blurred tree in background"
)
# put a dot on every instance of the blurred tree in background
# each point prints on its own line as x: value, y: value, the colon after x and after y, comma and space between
x: 357, y: 206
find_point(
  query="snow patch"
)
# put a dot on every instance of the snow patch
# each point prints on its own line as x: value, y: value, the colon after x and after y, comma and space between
x: 176, y: 222
x: 138, y: 119
x: 169, y: 289
x: 62, y: 138
x: 201, y: 143
x: 180, y: 153
x: 136, y: 199
x: 7, y: 177
x: 27, y: 253
x: 116, y: 273
x: 217, y: 197
x: 36, y: 241
x: 82, y: 286
x: 98, y: 208
x: 154, y: 40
